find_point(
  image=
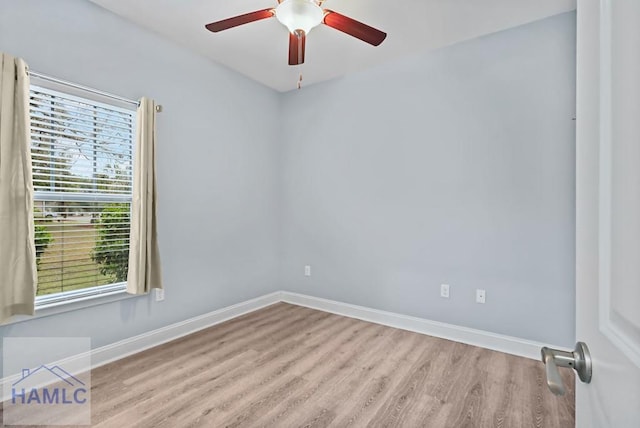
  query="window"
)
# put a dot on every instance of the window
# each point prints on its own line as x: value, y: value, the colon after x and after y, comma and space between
x: 82, y: 155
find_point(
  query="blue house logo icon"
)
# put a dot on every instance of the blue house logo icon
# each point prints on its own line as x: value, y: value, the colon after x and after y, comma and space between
x: 48, y: 385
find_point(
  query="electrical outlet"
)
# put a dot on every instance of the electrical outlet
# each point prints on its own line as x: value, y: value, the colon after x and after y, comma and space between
x: 159, y: 294
x: 480, y: 296
x: 307, y: 270
x: 444, y: 290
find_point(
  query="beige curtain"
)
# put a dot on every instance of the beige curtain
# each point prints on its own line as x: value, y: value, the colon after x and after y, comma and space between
x: 144, y: 257
x: 18, y: 274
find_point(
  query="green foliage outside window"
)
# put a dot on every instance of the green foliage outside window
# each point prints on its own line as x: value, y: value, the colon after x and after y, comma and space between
x: 42, y: 238
x: 111, y: 251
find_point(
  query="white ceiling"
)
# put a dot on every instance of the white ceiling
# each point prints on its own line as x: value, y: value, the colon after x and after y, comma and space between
x: 259, y: 49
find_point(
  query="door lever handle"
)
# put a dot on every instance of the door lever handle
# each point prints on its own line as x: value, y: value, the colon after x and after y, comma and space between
x: 579, y: 360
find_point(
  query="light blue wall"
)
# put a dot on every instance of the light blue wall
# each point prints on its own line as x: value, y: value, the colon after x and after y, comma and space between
x: 217, y: 162
x: 455, y: 166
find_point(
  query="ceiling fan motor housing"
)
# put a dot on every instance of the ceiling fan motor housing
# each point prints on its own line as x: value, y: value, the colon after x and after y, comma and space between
x: 299, y: 14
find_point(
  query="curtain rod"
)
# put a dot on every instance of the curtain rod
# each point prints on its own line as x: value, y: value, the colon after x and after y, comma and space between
x: 86, y: 88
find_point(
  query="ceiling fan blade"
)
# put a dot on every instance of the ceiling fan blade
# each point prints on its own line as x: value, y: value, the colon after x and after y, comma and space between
x: 297, y: 40
x: 225, y: 24
x: 354, y: 28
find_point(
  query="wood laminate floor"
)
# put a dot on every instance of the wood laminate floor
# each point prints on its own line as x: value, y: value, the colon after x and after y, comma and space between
x: 290, y: 366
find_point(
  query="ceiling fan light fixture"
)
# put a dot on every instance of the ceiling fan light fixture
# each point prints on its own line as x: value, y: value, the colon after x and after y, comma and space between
x: 299, y: 15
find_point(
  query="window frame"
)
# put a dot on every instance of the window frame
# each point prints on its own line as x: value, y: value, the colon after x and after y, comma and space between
x: 64, y: 301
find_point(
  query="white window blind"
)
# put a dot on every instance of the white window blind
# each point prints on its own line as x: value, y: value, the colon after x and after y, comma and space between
x: 82, y: 155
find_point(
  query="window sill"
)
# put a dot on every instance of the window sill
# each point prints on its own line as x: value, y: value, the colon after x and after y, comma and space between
x: 47, y: 309
x: 67, y: 297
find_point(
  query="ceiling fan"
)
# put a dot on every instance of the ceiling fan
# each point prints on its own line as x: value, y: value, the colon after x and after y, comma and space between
x: 300, y: 16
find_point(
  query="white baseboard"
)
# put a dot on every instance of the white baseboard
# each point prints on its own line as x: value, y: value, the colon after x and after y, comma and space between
x: 118, y: 350
x: 480, y: 338
x: 484, y: 339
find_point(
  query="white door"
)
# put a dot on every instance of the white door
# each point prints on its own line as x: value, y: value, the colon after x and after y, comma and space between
x: 608, y: 211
